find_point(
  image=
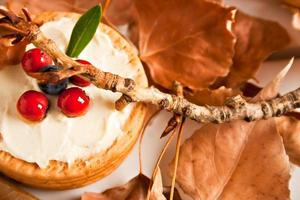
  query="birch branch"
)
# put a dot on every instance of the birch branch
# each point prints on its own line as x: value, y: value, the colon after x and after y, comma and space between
x: 234, y: 108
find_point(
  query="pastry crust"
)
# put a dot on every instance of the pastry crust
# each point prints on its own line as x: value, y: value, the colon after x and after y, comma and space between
x: 58, y: 175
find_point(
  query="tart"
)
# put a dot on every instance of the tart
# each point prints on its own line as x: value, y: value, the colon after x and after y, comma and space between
x: 61, y: 152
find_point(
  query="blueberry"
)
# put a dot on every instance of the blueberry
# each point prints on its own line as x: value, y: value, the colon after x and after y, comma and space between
x: 53, y: 88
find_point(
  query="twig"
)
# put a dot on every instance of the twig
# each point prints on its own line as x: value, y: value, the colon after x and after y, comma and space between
x: 179, y: 91
x: 176, y: 119
x: 236, y: 108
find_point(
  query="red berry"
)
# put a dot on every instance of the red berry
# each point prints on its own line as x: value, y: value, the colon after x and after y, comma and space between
x: 73, y: 102
x: 33, y: 105
x: 35, y: 59
x: 76, y: 80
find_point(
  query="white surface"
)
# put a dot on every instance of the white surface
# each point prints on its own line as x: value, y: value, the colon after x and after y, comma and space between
x: 152, y: 144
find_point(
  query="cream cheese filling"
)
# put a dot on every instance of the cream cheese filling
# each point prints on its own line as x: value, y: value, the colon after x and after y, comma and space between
x: 58, y: 137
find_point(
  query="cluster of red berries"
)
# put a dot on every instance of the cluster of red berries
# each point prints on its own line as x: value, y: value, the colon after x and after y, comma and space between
x: 33, y: 105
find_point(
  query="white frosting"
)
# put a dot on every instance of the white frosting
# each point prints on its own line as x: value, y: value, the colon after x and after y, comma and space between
x: 58, y: 137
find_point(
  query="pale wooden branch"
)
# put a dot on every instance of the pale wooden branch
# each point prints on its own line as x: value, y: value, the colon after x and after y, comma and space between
x: 235, y: 108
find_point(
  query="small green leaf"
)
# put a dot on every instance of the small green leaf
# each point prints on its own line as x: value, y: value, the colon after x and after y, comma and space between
x: 84, y: 30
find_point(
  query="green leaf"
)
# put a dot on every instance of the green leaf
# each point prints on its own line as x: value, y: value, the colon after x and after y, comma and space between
x: 84, y: 30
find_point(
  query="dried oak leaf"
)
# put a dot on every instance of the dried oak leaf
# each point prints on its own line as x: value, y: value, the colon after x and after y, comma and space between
x: 11, y: 55
x: 236, y: 160
x: 289, y: 129
x: 189, y: 42
x: 256, y: 40
x: 135, y: 189
x: 293, y: 3
x: 167, y: 192
x: 37, y: 6
x: 9, y: 190
x: 120, y: 12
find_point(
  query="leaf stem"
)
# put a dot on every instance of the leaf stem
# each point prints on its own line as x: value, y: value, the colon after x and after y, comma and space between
x: 152, y: 112
x: 179, y: 136
x: 106, y: 6
x: 162, y: 153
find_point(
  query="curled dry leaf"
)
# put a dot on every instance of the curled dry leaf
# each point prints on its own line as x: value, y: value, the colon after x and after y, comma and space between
x: 156, y: 190
x: 135, y: 189
x: 289, y: 129
x: 256, y: 40
x: 236, y: 160
x: 171, y: 47
x: 120, y: 12
x: 10, y: 55
x: 233, y: 160
x: 189, y: 42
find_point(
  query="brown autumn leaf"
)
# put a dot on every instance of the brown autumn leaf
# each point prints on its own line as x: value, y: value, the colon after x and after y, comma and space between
x: 156, y: 188
x: 9, y: 190
x: 256, y: 40
x: 167, y: 191
x: 289, y: 129
x: 135, y: 189
x: 123, y: 12
x: 37, y: 6
x: 236, y: 160
x: 11, y: 55
x: 214, y: 97
x: 120, y: 12
x: 293, y: 3
x: 122, y: 15
x: 188, y: 42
